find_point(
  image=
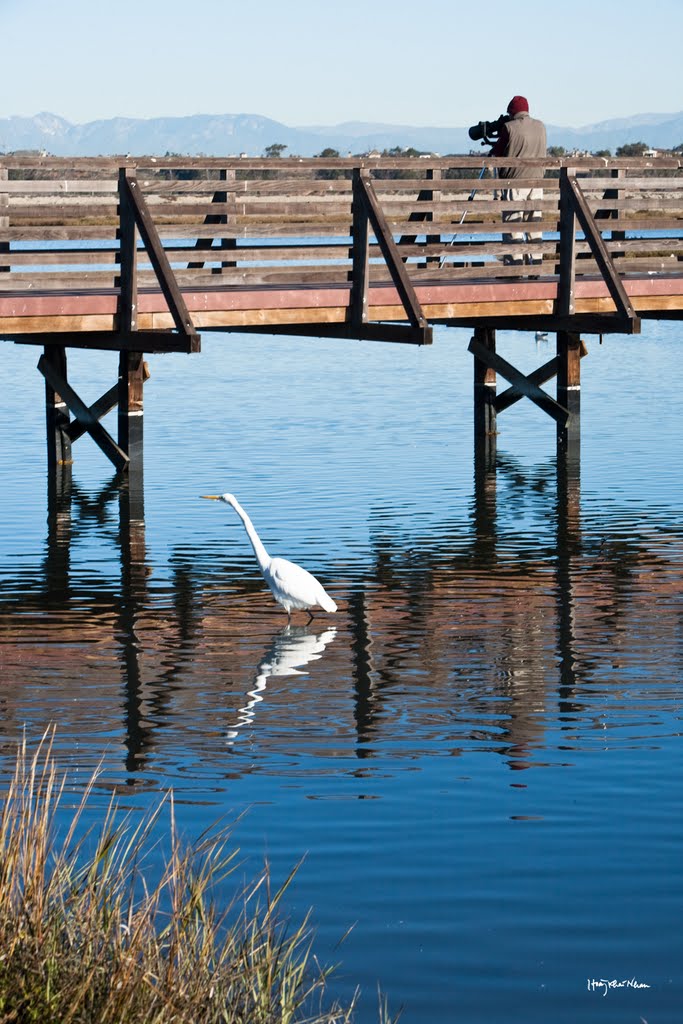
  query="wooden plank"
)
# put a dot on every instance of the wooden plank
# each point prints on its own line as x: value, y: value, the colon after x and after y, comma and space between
x: 296, y: 166
x: 507, y: 296
x: 50, y: 257
x: 63, y: 186
x: 76, y: 232
x: 56, y: 211
x: 593, y: 316
x: 81, y: 281
x: 436, y: 288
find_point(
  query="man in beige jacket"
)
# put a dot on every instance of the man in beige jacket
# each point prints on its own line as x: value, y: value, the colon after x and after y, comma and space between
x: 521, y: 136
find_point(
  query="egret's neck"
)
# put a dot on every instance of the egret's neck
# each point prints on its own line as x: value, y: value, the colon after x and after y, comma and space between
x: 262, y: 556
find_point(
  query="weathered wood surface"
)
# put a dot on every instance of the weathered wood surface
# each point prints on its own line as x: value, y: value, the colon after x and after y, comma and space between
x: 261, y: 242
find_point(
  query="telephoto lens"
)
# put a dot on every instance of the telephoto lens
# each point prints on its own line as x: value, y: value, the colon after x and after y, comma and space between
x: 477, y: 131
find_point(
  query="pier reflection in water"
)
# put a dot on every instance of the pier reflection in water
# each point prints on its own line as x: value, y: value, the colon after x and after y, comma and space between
x: 477, y: 751
x: 460, y: 633
x: 450, y: 608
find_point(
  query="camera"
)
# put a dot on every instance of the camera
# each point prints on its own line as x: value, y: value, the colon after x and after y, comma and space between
x: 488, y: 131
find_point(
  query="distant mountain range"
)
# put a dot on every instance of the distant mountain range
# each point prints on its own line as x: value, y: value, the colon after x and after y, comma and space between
x: 233, y: 134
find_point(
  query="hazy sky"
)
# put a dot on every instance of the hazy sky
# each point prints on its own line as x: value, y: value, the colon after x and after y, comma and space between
x: 304, y: 62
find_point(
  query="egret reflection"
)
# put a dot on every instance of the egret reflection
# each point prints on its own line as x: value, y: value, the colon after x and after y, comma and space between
x: 291, y: 650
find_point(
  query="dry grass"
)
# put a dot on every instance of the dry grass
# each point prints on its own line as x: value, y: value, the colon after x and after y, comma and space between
x: 83, y: 938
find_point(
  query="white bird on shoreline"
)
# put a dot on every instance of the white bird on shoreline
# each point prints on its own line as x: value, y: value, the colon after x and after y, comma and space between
x: 292, y: 586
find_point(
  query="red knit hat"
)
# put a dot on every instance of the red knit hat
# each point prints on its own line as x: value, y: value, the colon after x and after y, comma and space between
x: 516, y: 104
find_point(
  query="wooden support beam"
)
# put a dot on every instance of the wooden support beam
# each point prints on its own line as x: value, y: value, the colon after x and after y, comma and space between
x: 569, y: 350
x: 360, y: 275
x: 369, y: 331
x: 128, y: 301
x: 519, y: 380
x: 484, y: 396
x: 585, y: 323
x: 109, y: 341
x: 132, y: 375
x: 4, y: 218
x: 56, y: 413
x: 81, y: 411
x: 132, y: 518
x: 567, y: 250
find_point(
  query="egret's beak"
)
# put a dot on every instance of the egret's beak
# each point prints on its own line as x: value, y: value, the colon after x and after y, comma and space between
x: 213, y: 497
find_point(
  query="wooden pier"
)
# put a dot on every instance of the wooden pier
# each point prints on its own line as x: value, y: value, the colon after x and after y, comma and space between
x: 138, y: 256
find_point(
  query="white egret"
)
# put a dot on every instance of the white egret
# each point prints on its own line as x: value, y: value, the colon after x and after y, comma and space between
x: 292, y: 586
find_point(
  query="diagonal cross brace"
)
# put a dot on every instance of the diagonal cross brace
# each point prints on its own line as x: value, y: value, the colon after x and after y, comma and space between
x: 87, y: 417
x: 544, y: 373
x: 132, y: 198
x: 365, y: 197
x: 574, y: 201
x: 522, y: 384
x: 100, y: 408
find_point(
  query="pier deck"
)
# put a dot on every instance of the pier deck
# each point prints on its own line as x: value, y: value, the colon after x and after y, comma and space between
x: 140, y: 255
x: 522, y: 304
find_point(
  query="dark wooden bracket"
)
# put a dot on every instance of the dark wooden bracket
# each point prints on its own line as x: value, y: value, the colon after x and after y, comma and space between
x: 371, y: 331
x: 134, y: 213
x: 367, y: 213
x: 574, y: 207
x: 108, y: 341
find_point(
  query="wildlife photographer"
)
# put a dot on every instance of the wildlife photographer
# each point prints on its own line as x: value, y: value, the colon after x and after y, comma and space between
x: 520, y: 135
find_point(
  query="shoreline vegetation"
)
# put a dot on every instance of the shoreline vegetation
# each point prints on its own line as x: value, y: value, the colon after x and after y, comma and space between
x: 85, y: 937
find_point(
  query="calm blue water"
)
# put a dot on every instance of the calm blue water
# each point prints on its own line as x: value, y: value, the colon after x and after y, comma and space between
x: 479, y: 756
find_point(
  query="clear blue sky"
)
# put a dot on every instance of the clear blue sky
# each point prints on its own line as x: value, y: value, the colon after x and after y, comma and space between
x: 304, y: 62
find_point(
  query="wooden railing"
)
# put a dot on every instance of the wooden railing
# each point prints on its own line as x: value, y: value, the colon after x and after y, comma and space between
x: 378, y: 249
x: 269, y: 222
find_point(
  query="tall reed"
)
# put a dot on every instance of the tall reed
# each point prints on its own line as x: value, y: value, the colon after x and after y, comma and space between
x: 86, y: 939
